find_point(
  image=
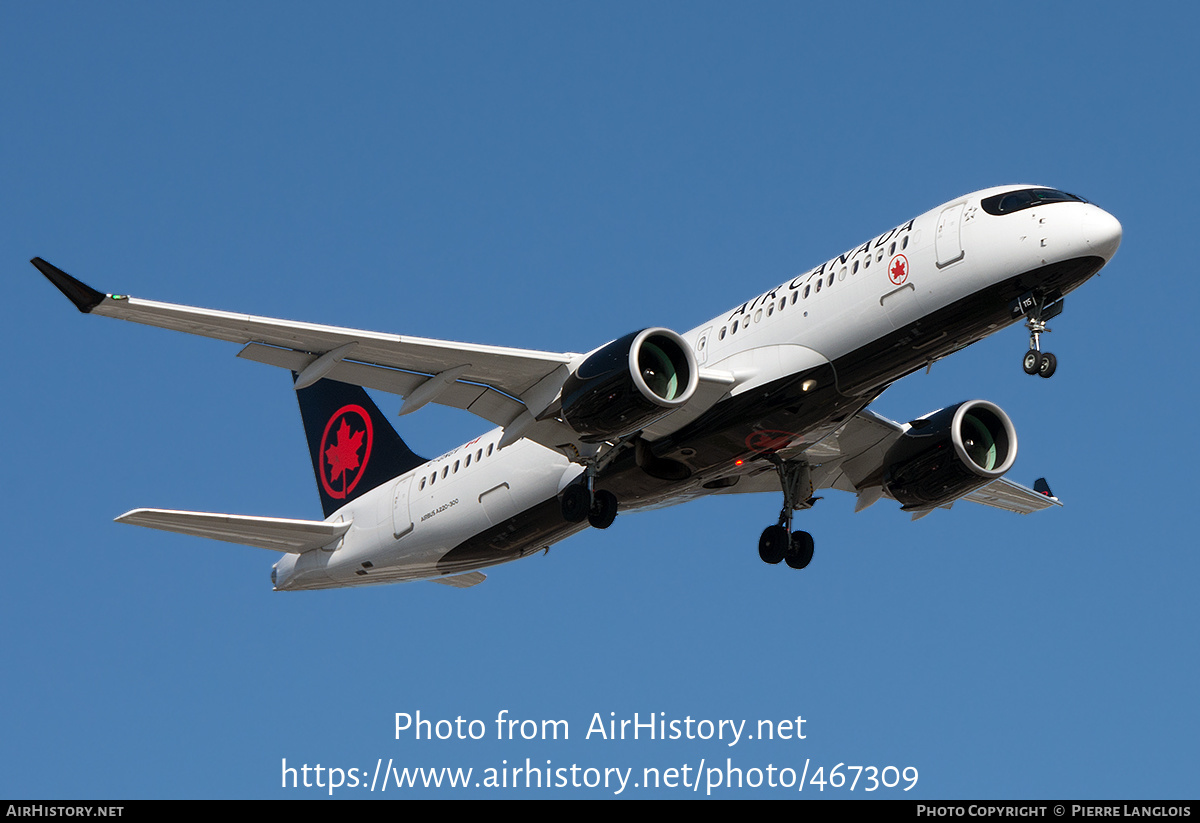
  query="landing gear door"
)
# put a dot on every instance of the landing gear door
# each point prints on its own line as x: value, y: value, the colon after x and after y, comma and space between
x: 401, y: 520
x: 948, y: 240
x: 498, y: 504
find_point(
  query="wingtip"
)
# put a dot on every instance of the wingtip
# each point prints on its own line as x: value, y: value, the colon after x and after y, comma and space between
x: 1043, y: 488
x: 82, y: 295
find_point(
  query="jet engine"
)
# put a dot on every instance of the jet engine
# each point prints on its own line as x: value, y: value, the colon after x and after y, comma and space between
x: 948, y: 454
x: 627, y: 384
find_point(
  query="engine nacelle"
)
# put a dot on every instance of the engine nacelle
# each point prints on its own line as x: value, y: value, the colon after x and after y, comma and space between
x: 627, y: 384
x: 949, y: 454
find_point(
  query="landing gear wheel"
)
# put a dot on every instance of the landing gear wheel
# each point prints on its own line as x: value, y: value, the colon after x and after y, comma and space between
x: 1033, y: 361
x: 1048, y: 365
x: 604, y: 509
x: 1040, y: 309
x: 780, y: 542
x: 800, y: 552
x: 773, y: 545
x: 576, y: 503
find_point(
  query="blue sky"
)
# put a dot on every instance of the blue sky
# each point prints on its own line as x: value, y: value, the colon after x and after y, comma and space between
x: 551, y: 176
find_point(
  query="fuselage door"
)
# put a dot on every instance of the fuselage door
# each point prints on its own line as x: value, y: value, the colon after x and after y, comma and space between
x: 948, y: 240
x: 401, y: 519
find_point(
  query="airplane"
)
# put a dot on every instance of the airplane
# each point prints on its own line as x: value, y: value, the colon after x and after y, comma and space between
x: 770, y: 396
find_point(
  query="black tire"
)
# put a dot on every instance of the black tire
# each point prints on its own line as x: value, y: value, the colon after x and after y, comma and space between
x: 1048, y: 365
x: 1032, y: 362
x: 604, y: 509
x: 576, y: 503
x: 800, y: 552
x: 773, y: 544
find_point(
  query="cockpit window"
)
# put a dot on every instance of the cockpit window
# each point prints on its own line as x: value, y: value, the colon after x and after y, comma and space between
x: 1012, y: 201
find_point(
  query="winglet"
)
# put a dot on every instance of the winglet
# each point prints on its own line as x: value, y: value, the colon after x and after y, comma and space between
x: 82, y: 295
x: 1043, y: 488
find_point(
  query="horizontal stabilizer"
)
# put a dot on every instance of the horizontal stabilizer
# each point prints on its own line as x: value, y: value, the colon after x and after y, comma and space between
x: 461, y: 581
x: 274, y: 533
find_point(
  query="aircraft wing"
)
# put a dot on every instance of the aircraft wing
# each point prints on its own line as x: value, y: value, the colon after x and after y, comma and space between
x: 512, y: 388
x: 1013, y: 497
x: 486, y: 380
x: 852, y: 460
x: 461, y: 581
x: 274, y: 533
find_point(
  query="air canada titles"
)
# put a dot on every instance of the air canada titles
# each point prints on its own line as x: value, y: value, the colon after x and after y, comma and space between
x: 855, y: 257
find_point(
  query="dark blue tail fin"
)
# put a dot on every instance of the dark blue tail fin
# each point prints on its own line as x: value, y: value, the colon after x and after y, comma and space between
x: 353, y: 446
x: 1042, y: 487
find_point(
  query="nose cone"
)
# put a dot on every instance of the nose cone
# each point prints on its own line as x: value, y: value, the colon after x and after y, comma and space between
x: 1103, y: 233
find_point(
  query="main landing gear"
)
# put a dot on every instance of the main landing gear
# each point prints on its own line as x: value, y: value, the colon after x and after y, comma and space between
x: 779, y: 542
x: 580, y: 503
x: 1037, y: 361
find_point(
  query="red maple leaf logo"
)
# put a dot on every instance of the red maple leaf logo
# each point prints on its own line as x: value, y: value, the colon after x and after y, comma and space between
x: 345, y: 451
x: 342, y: 456
x: 768, y: 440
x: 899, y: 269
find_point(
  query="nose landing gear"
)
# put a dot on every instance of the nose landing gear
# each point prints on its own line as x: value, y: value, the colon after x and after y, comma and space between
x: 1043, y: 364
x: 779, y: 542
x: 1036, y: 361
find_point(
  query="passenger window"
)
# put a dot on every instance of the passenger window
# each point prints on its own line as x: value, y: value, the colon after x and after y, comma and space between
x: 904, y: 243
x: 478, y: 455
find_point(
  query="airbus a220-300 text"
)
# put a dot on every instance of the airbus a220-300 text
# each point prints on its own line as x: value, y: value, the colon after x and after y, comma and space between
x: 772, y: 396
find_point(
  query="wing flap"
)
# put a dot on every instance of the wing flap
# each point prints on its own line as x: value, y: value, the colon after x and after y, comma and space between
x: 510, y: 371
x: 478, y: 399
x: 1005, y: 494
x: 461, y: 581
x: 274, y: 533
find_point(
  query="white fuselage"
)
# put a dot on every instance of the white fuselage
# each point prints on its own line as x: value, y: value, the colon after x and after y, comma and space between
x: 830, y: 315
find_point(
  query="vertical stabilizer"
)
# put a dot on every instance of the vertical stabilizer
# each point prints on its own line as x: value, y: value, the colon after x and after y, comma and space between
x: 353, y: 446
